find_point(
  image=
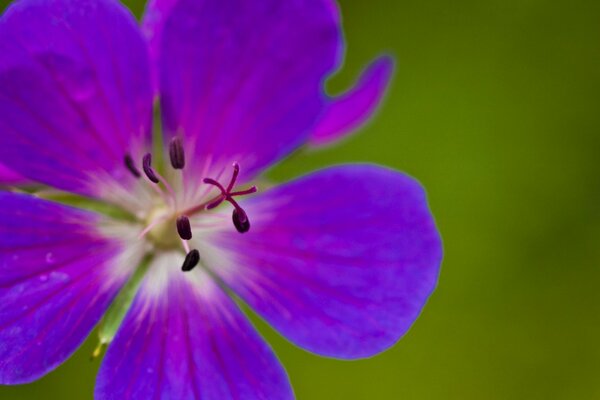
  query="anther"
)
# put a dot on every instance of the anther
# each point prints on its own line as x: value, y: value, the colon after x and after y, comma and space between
x: 184, y: 228
x: 147, y: 165
x: 240, y: 220
x: 191, y: 260
x: 131, y: 166
x: 176, y: 153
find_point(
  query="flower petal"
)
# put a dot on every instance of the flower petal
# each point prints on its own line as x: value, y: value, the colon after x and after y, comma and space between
x: 242, y: 80
x: 9, y: 177
x: 156, y: 14
x: 58, y: 274
x: 350, y: 111
x: 75, y: 94
x: 153, y: 22
x: 183, y: 338
x: 341, y: 262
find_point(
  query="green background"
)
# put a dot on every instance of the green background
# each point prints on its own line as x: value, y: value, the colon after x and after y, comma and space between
x: 495, y: 107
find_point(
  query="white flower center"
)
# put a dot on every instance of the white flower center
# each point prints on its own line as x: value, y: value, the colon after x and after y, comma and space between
x: 163, y: 229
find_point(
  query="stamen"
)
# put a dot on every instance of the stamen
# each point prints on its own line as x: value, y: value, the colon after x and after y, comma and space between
x: 191, y: 260
x: 156, y: 178
x: 176, y: 153
x: 184, y: 228
x: 185, y: 245
x: 242, y: 214
x: 240, y: 220
x: 147, y: 165
x: 129, y: 163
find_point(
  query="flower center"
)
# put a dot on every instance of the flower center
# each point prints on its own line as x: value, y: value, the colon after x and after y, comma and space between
x: 169, y: 228
x: 163, y: 232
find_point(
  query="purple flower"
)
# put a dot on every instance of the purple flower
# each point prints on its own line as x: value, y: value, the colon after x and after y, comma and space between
x: 9, y: 177
x: 340, y: 262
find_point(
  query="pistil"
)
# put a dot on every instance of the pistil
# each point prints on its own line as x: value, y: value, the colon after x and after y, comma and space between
x: 239, y: 216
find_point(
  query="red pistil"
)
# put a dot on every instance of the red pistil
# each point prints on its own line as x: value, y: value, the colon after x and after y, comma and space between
x: 240, y: 218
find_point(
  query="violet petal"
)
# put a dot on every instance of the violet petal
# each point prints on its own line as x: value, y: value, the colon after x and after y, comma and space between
x: 183, y: 338
x: 9, y: 177
x: 75, y: 93
x: 242, y: 80
x: 351, y: 110
x: 153, y: 22
x: 341, y: 262
x: 58, y: 275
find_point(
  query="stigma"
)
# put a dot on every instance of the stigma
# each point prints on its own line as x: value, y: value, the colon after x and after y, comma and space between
x: 239, y: 216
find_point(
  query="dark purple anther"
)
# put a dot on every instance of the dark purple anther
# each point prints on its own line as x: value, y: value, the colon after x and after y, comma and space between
x: 184, y: 228
x: 176, y: 153
x: 191, y: 260
x: 147, y: 165
x: 240, y: 220
x: 131, y: 166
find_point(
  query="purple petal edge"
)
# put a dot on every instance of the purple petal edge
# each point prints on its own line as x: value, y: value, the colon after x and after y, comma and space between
x: 349, y: 112
x: 341, y: 262
x: 157, y: 12
x: 56, y: 281
x: 242, y: 80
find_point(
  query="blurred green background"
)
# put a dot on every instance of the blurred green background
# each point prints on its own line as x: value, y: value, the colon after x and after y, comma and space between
x: 495, y: 107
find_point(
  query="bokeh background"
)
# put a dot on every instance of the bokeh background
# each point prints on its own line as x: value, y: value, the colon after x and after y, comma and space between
x: 495, y: 108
